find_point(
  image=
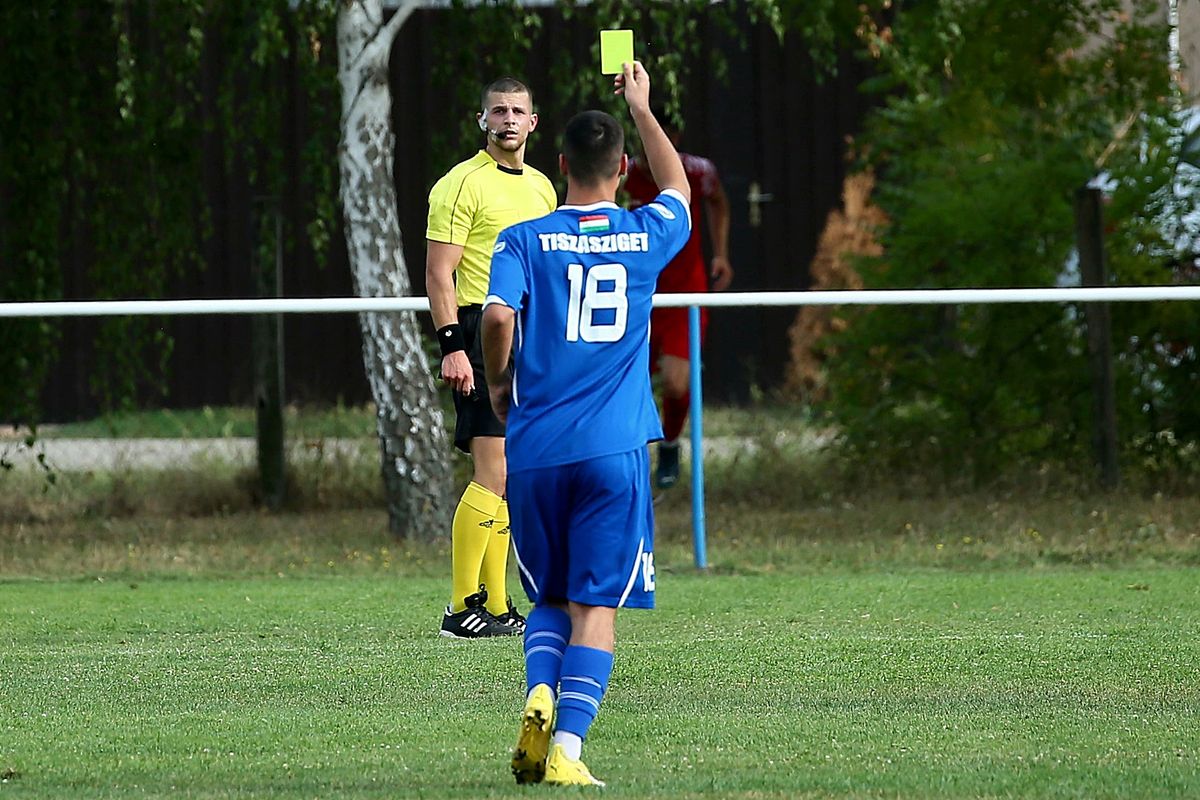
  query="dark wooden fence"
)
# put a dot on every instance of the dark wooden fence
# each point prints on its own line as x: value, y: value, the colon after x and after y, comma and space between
x: 772, y: 129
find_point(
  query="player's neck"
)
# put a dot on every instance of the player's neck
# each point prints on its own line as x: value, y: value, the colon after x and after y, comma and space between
x: 585, y: 195
x: 587, y: 198
x: 504, y: 158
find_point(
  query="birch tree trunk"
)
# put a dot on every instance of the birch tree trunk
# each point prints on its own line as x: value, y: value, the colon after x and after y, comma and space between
x: 415, y: 455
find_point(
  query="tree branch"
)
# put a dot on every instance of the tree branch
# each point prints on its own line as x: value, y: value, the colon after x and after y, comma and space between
x: 397, y: 21
x: 376, y: 48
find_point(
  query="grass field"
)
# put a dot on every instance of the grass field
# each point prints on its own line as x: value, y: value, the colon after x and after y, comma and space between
x: 817, y: 671
x: 218, y: 421
x: 159, y: 637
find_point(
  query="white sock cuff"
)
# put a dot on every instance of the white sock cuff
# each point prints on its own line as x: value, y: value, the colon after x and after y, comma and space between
x: 571, y: 744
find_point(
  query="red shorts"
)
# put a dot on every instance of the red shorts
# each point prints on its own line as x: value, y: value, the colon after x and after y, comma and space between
x: 669, y: 333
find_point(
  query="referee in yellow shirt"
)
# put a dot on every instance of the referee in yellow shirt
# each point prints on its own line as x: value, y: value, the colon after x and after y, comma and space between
x: 468, y: 208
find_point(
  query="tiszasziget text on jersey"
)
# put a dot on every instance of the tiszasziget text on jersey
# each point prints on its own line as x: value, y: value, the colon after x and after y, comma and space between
x: 472, y: 203
x: 581, y: 281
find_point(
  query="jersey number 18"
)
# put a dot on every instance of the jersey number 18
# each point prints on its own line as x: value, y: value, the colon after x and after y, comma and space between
x: 586, y: 297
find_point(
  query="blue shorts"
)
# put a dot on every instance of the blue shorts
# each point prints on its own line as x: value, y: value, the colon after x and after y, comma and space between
x: 585, y: 531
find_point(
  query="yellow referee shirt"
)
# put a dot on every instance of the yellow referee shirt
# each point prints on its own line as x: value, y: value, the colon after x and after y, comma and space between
x: 472, y: 203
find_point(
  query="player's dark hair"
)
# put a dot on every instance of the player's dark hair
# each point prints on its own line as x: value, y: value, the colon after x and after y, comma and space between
x: 505, y: 85
x: 593, y: 143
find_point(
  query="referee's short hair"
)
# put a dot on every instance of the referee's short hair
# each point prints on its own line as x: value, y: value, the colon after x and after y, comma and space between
x: 593, y: 143
x: 505, y: 85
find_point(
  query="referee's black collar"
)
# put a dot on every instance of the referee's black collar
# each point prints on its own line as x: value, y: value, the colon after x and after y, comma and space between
x: 509, y: 170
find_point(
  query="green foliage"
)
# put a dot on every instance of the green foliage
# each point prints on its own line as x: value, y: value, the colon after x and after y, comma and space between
x: 1154, y: 241
x: 996, y: 114
x: 491, y: 40
x: 666, y: 40
x: 105, y: 125
x: 33, y: 188
x: 502, y: 35
x: 138, y: 93
x: 825, y: 27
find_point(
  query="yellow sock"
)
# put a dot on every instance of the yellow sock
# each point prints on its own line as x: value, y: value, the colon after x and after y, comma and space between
x: 494, y: 572
x: 472, y: 531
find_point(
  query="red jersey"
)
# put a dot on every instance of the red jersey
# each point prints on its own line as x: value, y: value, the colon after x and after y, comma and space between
x: 687, y: 271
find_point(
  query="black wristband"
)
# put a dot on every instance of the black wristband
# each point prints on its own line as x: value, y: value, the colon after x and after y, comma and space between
x: 450, y: 339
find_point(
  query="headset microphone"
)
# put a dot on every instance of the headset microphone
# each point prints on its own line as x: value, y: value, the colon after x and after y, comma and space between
x: 483, y: 126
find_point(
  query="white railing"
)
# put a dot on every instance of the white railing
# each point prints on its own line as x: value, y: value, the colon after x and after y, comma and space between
x: 339, y: 305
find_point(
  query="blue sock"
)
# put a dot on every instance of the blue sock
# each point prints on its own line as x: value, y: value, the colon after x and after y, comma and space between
x: 547, y: 631
x: 585, y: 672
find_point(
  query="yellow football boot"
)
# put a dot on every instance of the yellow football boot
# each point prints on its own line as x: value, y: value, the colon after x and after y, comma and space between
x: 564, y: 771
x: 533, y: 740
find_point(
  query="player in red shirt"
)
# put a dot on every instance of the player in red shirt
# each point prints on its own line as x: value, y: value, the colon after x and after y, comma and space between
x: 686, y: 273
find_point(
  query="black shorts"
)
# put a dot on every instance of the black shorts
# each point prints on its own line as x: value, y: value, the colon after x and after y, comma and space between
x: 473, y: 413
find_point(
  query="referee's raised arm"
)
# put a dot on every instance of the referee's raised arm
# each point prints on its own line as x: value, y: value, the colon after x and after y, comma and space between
x: 664, y: 163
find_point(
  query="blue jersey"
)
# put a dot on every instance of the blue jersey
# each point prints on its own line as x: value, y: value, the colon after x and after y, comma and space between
x: 581, y: 280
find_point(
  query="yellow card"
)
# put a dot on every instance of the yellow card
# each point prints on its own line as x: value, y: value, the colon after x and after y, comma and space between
x: 616, y: 48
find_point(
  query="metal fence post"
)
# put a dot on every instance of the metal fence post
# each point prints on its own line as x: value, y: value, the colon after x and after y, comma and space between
x: 1089, y: 240
x: 699, y: 544
x: 268, y: 355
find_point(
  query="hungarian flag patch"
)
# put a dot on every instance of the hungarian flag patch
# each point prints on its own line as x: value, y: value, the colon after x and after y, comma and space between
x: 593, y: 223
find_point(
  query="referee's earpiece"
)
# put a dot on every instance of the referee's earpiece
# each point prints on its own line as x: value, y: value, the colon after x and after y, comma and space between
x: 482, y: 124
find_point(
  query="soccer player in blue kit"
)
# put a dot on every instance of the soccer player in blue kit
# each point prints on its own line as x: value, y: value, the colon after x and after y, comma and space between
x: 574, y: 290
